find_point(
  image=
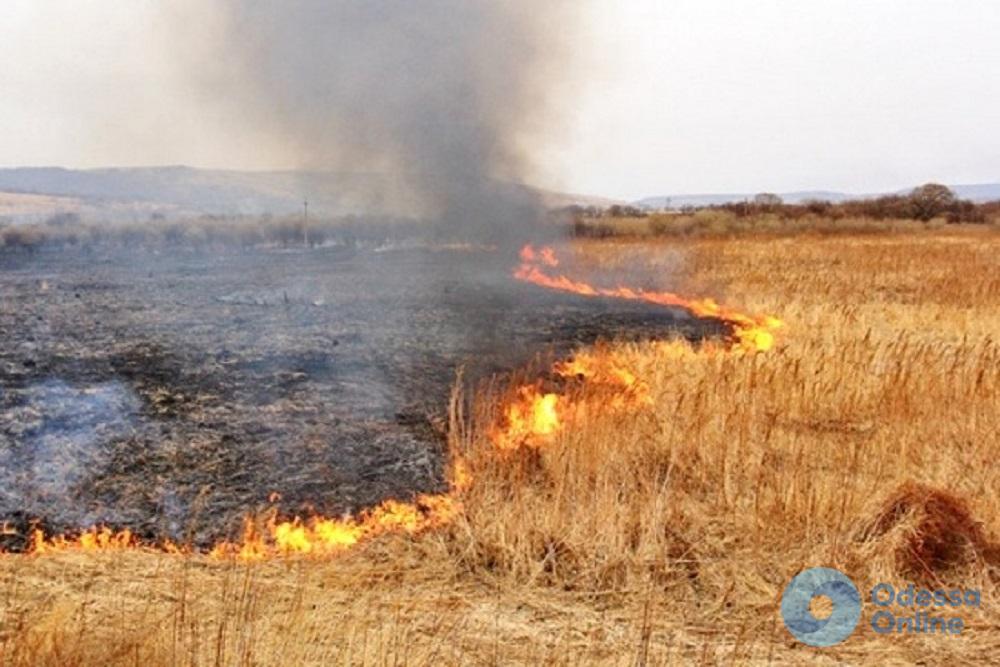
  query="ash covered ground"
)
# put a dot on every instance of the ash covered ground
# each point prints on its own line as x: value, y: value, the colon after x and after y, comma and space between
x: 173, y: 393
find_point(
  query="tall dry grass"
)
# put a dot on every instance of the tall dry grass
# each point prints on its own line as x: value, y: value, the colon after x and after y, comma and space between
x: 714, y: 223
x: 664, y: 534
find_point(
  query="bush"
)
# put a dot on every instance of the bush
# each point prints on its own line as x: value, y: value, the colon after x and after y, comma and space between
x: 966, y: 211
x: 624, y: 211
x: 24, y: 238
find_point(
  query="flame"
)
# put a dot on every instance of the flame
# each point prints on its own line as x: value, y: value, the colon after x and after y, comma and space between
x: 93, y: 540
x: 460, y: 478
x: 607, y: 377
x: 321, y: 536
x: 532, y: 418
x: 750, y: 334
x: 545, y: 255
x: 601, y: 369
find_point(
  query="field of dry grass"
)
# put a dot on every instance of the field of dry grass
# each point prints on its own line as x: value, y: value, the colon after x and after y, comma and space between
x: 714, y: 223
x: 660, y: 533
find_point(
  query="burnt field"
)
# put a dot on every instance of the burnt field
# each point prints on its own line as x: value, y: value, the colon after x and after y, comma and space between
x: 174, y: 394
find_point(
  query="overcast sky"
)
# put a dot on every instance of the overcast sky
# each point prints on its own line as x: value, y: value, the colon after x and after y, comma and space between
x: 678, y: 96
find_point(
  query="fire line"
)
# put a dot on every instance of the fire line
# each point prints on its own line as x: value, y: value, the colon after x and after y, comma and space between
x: 532, y: 419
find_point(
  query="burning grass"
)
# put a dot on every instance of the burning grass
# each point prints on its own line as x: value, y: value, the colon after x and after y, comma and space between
x: 658, y: 529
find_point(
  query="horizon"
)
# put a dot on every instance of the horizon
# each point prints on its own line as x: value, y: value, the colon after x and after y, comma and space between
x: 598, y: 195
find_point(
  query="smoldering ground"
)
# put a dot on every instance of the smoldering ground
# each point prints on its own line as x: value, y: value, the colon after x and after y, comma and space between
x: 173, y: 394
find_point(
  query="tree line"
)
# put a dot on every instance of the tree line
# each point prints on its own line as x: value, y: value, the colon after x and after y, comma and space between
x: 925, y: 203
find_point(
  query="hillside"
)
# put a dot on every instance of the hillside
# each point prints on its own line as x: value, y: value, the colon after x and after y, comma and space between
x: 28, y: 194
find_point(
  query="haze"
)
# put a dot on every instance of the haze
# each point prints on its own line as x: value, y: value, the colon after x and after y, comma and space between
x: 672, y: 97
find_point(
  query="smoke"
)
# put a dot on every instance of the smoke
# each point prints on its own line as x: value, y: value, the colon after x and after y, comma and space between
x: 443, y: 104
x: 60, y: 435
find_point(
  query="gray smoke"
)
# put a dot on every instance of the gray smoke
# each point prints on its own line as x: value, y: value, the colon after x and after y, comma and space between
x: 440, y: 101
x: 53, y: 435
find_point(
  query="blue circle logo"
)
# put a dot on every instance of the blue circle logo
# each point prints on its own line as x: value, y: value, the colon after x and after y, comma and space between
x: 821, y: 581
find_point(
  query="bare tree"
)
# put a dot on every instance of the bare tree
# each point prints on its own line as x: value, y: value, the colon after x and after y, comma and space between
x: 767, y: 201
x: 931, y: 200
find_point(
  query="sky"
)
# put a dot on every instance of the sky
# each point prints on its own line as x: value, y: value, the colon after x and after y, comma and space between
x: 664, y: 96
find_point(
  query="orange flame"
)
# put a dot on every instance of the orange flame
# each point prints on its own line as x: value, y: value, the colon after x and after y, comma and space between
x: 93, y: 540
x: 318, y: 536
x: 749, y: 333
x: 545, y: 255
x: 534, y: 418
x: 460, y: 477
x: 321, y: 536
x: 601, y: 371
x: 529, y: 420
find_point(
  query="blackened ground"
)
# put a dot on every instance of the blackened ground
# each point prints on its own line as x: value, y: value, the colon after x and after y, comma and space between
x: 174, y: 393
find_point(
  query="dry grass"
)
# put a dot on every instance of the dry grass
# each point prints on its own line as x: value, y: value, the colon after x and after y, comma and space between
x: 661, y: 535
x: 715, y: 223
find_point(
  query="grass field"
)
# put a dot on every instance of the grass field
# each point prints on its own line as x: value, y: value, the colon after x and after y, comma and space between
x: 662, y: 531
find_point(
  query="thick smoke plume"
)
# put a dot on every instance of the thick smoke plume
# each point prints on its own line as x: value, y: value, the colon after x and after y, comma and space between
x: 440, y: 102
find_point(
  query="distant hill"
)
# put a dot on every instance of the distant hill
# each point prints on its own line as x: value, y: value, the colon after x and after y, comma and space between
x: 138, y: 193
x: 173, y: 191
x: 977, y: 193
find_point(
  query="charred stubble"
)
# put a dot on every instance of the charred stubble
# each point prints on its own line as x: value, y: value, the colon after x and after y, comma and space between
x: 176, y: 398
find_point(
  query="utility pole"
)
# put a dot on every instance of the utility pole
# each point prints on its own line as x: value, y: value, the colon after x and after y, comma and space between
x: 305, y: 222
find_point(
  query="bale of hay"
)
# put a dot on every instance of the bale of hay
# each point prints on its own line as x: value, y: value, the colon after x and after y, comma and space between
x: 929, y: 531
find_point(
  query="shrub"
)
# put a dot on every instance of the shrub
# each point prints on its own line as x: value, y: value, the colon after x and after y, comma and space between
x: 24, y: 238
